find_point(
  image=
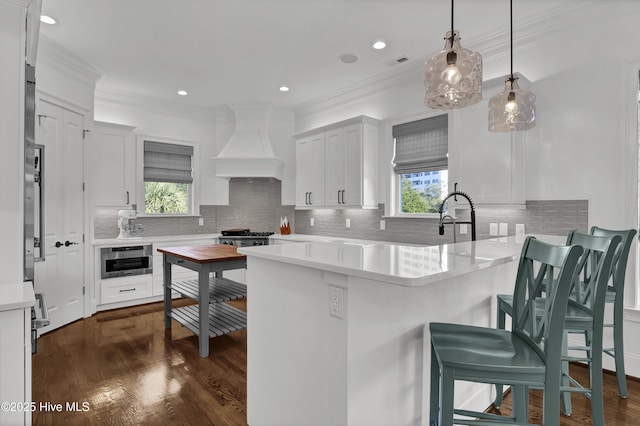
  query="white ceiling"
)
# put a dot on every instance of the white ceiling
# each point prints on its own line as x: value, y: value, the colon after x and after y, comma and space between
x: 240, y: 51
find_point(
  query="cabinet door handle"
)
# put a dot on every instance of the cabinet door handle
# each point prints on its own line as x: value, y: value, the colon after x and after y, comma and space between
x: 128, y: 289
x: 339, y: 197
x: 127, y: 197
x: 343, y: 196
x: 310, y: 202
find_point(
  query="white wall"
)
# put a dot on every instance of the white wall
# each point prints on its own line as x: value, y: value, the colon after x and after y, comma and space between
x: 12, y: 18
x: 584, y: 145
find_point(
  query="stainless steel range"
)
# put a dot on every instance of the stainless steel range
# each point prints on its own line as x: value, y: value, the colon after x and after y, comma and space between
x: 244, y: 237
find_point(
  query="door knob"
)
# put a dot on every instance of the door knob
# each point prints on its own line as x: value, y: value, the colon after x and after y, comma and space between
x: 68, y: 243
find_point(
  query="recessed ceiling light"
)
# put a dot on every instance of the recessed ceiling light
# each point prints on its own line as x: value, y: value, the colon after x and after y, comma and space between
x: 283, y: 89
x: 47, y: 19
x: 182, y: 92
x: 348, y: 58
x: 378, y: 45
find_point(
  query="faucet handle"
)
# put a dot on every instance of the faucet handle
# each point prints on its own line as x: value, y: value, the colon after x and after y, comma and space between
x: 441, y: 229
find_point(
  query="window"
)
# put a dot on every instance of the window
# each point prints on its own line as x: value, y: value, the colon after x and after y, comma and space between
x: 421, y: 147
x: 168, y: 178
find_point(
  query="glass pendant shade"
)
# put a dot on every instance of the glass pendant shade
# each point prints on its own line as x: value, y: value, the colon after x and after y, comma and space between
x: 513, y: 109
x: 453, y: 76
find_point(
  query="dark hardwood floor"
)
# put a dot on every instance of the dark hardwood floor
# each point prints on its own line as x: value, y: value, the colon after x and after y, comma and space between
x: 130, y: 371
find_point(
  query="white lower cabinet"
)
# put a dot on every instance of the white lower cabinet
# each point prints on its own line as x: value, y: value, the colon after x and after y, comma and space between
x: 121, y: 289
x: 15, y: 368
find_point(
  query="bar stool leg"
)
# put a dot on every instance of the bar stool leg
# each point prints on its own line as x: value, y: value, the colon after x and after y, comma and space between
x: 597, y: 403
x: 501, y: 325
x: 520, y: 403
x: 618, y: 347
x: 434, y: 397
x: 566, y: 396
x: 446, y: 396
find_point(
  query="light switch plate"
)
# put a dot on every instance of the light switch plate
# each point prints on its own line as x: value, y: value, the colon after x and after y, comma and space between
x: 382, y: 225
x: 493, y: 229
x: 519, y: 229
x: 463, y: 228
x: 312, y: 222
x: 348, y: 223
x: 504, y: 229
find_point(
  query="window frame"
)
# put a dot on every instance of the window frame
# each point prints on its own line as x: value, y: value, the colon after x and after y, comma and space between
x: 394, y: 203
x: 194, y: 204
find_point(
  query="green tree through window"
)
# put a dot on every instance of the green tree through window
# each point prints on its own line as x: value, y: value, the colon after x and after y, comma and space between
x: 166, y: 197
x: 427, y: 201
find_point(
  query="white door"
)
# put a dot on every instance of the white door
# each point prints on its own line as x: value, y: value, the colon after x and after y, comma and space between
x: 60, y: 276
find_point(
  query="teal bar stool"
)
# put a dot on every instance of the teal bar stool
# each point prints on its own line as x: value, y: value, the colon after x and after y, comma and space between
x: 615, y: 295
x: 585, y: 315
x: 527, y: 356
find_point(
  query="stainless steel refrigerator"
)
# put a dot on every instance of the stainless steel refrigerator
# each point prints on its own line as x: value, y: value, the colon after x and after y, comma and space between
x: 33, y: 204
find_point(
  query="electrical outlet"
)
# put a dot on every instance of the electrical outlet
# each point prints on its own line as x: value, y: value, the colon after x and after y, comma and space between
x: 382, y: 225
x: 504, y: 229
x: 200, y: 221
x: 336, y: 302
x: 463, y: 228
x: 312, y: 222
x: 493, y: 229
x: 348, y: 223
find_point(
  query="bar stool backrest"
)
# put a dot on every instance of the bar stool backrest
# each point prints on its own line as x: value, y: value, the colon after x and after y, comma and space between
x: 619, y: 269
x: 543, y: 265
x: 593, y: 271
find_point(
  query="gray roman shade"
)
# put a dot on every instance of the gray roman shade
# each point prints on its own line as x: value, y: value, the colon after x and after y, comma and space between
x: 166, y: 162
x: 421, y: 145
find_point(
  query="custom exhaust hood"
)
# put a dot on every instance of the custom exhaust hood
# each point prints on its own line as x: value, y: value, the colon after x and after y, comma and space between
x: 248, y: 153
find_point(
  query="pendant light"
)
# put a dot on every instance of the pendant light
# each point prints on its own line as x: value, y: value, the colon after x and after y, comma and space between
x: 514, y: 108
x: 453, y: 76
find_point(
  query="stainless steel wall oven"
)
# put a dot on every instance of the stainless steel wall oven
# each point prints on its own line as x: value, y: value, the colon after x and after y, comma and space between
x: 126, y: 260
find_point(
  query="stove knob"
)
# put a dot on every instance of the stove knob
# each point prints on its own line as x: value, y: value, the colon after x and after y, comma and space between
x: 255, y: 243
x: 231, y: 243
x: 225, y: 243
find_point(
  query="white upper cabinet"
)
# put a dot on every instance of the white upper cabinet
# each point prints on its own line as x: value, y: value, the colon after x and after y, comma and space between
x: 310, y: 171
x: 489, y: 166
x: 350, y: 164
x: 112, y: 155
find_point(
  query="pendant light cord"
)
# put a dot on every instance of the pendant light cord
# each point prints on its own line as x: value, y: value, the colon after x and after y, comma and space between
x: 511, y: 30
x: 452, y: 22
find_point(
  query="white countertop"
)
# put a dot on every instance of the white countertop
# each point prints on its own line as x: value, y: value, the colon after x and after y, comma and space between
x: 16, y: 296
x: 326, y: 239
x: 150, y: 240
x: 398, y: 264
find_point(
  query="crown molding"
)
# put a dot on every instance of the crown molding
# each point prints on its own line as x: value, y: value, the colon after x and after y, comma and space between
x: 492, y: 45
x: 124, y: 99
x: 58, y: 58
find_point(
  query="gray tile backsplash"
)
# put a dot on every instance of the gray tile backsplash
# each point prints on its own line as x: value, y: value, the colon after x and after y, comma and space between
x: 541, y: 217
x: 254, y: 203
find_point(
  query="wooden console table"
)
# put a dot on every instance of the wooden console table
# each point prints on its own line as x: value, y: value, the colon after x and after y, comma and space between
x: 210, y: 317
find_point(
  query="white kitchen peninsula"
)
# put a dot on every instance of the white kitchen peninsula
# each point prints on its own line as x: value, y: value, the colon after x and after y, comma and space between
x: 336, y: 330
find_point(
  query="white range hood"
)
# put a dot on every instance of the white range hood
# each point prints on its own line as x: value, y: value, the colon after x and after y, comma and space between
x: 248, y: 153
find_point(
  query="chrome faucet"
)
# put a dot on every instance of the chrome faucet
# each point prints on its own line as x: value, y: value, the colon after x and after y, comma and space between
x: 443, y: 217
